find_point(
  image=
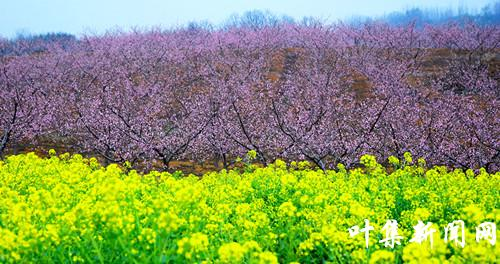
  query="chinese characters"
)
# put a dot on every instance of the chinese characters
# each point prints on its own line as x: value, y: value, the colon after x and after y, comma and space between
x: 453, y: 232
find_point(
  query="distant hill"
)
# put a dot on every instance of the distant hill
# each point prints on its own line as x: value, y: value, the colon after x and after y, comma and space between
x: 488, y: 15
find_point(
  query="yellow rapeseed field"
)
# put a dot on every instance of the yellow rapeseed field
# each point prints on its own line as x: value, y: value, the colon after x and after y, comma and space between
x: 69, y: 209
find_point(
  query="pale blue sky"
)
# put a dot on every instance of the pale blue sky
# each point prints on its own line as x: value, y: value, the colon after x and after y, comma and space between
x: 97, y: 16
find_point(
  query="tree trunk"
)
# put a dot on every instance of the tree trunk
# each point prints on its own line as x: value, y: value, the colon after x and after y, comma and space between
x: 4, y: 141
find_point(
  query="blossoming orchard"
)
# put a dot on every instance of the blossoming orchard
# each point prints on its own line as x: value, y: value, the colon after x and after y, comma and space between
x: 317, y: 143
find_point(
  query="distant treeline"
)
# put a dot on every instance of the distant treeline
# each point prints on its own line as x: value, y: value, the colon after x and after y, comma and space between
x: 488, y: 15
x: 33, y: 44
x: 258, y: 19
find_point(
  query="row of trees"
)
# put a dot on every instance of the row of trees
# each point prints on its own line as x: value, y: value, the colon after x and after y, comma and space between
x: 25, y: 44
x: 323, y: 93
x: 488, y: 14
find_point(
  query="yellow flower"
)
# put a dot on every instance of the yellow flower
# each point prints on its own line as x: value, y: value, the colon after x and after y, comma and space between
x: 408, y: 157
x: 251, y: 246
x: 267, y: 257
x: 232, y: 253
x: 421, y: 214
x: 287, y: 209
x: 147, y: 235
x: 15, y: 256
x: 382, y: 256
x: 279, y: 164
x: 193, y: 246
x: 251, y: 155
x: 52, y: 152
x: 169, y: 222
x: 303, y: 165
x: 394, y: 161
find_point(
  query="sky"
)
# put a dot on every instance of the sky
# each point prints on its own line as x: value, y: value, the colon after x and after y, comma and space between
x: 96, y: 16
